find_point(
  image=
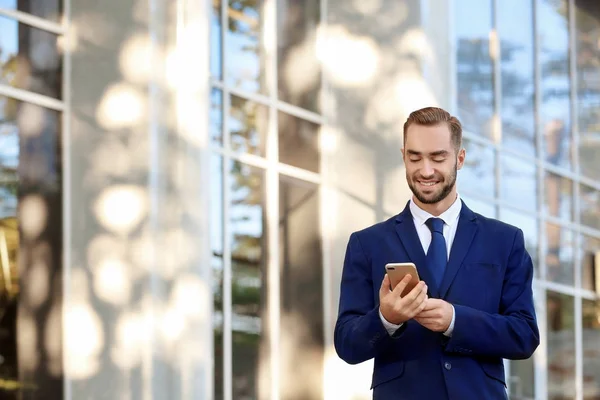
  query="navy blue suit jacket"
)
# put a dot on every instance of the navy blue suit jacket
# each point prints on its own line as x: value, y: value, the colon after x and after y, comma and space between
x: 488, y: 279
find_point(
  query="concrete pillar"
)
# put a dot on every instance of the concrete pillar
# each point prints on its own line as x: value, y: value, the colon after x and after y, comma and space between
x: 137, y: 315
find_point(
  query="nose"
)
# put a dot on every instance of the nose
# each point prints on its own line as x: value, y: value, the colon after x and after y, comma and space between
x: 427, y: 169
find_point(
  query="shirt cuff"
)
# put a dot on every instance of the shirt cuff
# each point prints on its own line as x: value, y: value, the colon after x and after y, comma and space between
x: 451, y: 327
x: 389, y: 327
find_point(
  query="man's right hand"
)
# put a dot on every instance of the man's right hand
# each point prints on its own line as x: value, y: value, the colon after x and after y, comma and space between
x: 397, y: 309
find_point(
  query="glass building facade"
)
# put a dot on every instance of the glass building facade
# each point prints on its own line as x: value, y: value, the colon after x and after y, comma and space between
x: 179, y: 181
x: 286, y: 80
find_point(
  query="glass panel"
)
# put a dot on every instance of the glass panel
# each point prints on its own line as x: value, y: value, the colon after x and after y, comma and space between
x: 561, y: 346
x: 29, y: 58
x: 299, y: 143
x: 301, y: 268
x: 591, y: 346
x: 517, y: 67
x: 555, y: 86
x: 216, y: 117
x: 590, y: 264
x: 590, y: 206
x: 474, y: 66
x: 530, y: 228
x: 558, y: 199
x: 299, y: 71
x: 246, y: 58
x: 249, y: 284
x: 47, y: 9
x: 29, y: 174
x: 216, y: 239
x: 588, y: 84
x: 478, y: 175
x: 248, y: 126
x: 560, y: 262
x: 518, y: 182
x: 9, y: 244
x: 522, y: 384
x: 216, y: 45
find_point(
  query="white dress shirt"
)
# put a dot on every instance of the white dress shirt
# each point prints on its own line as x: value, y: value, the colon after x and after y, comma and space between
x: 420, y: 216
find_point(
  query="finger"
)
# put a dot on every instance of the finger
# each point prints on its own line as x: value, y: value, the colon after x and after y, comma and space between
x: 414, y: 293
x: 427, y: 314
x: 427, y: 322
x: 385, y: 286
x: 419, y: 304
x: 424, y: 322
x: 402, y: 285
x: 432, y: 304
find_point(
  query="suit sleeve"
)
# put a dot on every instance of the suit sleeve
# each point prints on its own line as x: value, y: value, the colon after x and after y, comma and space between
x: 359, y: 333
x: 513, y: 332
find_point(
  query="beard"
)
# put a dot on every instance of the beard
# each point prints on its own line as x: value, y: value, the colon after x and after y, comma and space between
x: 447, y: 184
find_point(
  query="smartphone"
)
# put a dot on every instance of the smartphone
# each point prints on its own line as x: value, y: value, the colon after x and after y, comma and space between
x: 397, y: 272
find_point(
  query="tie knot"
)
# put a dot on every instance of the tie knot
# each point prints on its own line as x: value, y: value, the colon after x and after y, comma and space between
x: 435, y: 225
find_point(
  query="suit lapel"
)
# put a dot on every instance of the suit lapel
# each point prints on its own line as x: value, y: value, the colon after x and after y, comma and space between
x: 465, y: 232
x: 405, y: 227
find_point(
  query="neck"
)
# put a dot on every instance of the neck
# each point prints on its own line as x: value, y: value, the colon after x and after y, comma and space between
x: 440, y: 207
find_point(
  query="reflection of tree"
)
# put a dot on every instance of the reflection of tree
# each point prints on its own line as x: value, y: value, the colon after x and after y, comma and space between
x: 249, y: 285
x: 9, y: 238
x: 475, y: 84
x: 8, y: 76
x: 476, y: 91
x: 590, y: 212
x: 245, y: 21
x: 249, y: 132
x: 247, y: 255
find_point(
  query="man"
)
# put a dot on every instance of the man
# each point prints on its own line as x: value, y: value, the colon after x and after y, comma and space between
x: 474, y: 305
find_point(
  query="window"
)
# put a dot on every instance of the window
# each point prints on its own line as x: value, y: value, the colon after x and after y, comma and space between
x: 30, y: 200
x: 265, y: 204
x: 522, y: 122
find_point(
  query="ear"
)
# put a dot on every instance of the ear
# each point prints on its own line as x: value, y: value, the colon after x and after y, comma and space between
x: 402, y: 150
x: 460, y: 159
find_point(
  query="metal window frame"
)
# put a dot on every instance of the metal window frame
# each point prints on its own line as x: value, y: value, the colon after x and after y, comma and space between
x: 226, y: 230
x: 576, y: 198
x: 33, y: 98
x: 37, y: 22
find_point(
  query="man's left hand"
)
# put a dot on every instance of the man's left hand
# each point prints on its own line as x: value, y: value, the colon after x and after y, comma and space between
x: 436, y: 316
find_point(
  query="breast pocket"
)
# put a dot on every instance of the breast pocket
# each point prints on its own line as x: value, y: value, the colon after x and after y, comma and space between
x: 479, y: 286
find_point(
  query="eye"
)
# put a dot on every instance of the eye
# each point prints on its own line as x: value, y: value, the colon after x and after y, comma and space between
x: 414, y: 159
x: 439, y: 160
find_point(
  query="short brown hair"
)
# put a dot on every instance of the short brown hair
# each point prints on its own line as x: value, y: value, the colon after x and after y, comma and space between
x: 431, y: 116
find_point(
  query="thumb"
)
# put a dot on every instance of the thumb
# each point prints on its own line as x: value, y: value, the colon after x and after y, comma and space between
x: 385, y: 286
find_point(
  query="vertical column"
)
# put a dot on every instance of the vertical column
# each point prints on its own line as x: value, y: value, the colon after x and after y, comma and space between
x: 138, y: 317
x: 572, y: 9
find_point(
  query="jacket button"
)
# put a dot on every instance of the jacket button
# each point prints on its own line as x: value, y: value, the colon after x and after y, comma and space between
x: 448, y: 366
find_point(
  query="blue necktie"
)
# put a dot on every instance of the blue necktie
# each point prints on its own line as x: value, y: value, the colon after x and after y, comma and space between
x: 437, y: 255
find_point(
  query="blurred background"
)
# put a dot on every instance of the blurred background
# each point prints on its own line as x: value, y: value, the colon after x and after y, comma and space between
x: 179, y: 179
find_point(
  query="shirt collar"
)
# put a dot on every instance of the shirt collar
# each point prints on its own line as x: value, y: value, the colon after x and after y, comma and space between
x: 450, y: 216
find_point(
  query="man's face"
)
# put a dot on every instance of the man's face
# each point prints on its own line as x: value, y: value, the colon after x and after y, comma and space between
x: 431, y: 162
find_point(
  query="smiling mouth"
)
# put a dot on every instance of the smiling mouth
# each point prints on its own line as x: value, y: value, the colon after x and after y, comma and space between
x: 428, y: 183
